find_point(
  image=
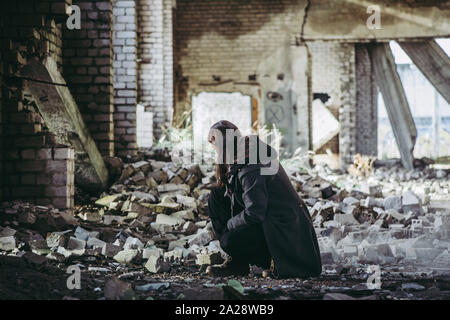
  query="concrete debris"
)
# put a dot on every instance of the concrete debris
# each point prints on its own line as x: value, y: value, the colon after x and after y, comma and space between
x: 76, y: 244
x: 155, y: 218
x: 7, y: 243
x: 156, y: 265
x: 209, y: 258
x: 169, y: 220
x: 125, y: 256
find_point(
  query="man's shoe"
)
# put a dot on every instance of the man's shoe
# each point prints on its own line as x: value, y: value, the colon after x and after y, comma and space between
x: 229, y: 268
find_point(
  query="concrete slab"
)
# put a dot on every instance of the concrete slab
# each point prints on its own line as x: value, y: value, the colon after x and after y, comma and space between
x: 63, y: 118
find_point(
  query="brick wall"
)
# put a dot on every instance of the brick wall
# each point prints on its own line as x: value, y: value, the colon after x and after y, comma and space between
x: 226, y: 42
x: 88, y: 61
x: 347, y: 111
x: 125, y: 76
x: 333, y: 69
x: 35, y: 167
x: 325, y: 79
x: 366, y: 104
x: 155, y: 74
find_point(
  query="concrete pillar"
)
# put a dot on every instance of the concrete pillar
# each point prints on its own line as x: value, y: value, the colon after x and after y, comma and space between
x: 125, y: 76
x: 366, y: 104
x: 394, y: 97
x: 434, y: 63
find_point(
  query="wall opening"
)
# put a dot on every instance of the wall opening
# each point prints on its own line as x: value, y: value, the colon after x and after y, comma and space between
x: 430, y: 111
x: 210, y: 107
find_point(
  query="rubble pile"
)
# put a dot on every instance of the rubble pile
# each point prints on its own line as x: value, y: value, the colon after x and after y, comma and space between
x: 392, y: 217
x: 153, y: 216
x: 154, y: 220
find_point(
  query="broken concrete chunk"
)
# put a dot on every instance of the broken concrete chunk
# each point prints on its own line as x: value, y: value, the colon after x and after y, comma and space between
x: 81, y: 234
x: 147, y: 253
x: 209, y: 258
x: 133, y: 243
x: 39, y: 247
x: 202, y: 238
x: 139, y: 178
x: 175, y: 255
x: 393, y: 202
x: 410, y: 202
x: 184, y: 214
x: 94, y: 243
x: 143, y: 166
x: 161, y: 228
x: 55, y: 239
x: 92, y: 216
x: 351, y: 201
x: 168, y: 220
x: 148, y: 197
x: 165, y: 208
x: 156, y: 265
x: 127, y: 172
x: 7, y: 243
x: 110, y: 250
x: 171, y: 187
x: 345, y: 219
x: 76, y: 244
x: 125, y: 256
x: 106, y: 201
x: 109, y: 219
x: 187, y: 202
x: 189, y: 228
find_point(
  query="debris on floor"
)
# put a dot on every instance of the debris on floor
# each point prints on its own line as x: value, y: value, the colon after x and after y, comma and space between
x: 149, y: 236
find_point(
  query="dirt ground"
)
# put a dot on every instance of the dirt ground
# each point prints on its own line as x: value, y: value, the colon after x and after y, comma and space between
x: 25, y: 279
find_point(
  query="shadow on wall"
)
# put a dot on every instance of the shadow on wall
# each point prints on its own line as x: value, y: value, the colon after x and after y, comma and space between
x: 228, y: 18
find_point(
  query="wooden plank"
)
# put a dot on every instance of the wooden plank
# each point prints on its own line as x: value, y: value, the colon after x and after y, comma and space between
x: 394, y: 97
x: 434, y: 63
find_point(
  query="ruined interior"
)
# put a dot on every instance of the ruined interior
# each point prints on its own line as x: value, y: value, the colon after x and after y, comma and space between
x: 105, y: 170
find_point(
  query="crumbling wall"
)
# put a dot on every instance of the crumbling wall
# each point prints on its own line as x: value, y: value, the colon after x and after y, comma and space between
x: 88, y: 70
x: 125, y: 77
x: 35, y: 167
x: 235, y: 46
x: 366, y: 104
x: 225, y: 41
x: 326, y: 80
x: 155, y: 75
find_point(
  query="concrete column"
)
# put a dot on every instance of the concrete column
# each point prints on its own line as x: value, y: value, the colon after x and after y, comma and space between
x: 394, y: 97
x: 434, y: 63
x: 366, y: 104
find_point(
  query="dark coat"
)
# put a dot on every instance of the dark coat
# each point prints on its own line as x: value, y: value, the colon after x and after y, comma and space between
x: 272, y: 201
